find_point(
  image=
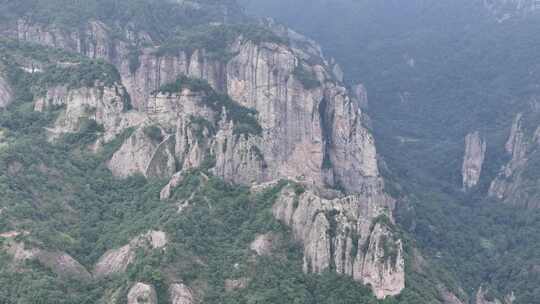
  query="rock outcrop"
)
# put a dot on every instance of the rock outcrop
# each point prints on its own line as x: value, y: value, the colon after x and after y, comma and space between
x: 145, y: 153
x: 483, y: 298
x: 6, y: 94
x: 263, y: 244
x: 180, y: 294
x: 473, y: 160
x: 117, y: 260
x: 515, y: 179
x: 103, y: 104
x: 353, y: 235
x: 142, y: 293
x: 61, y: 263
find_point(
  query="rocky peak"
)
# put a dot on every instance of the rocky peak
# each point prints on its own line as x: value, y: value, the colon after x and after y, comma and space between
x: 475, y: 151
x: 142, y: 293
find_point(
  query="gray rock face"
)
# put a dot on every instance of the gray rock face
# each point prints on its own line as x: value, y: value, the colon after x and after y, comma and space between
x: 104, y: 105
x: 6, y: 93
x: 512, y: 183
x: 263, y: 244
x: 310, y: 134
x: 351, y: 235
x: 144, y: 154
x: 117, y: 260
x: 361, y: 96
x: 142, y: 293
x: 181, y: 294
x: 475, y: 152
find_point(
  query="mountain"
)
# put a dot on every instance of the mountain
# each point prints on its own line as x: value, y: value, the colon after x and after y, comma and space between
x: 158, y: 151
x: 453, y: 90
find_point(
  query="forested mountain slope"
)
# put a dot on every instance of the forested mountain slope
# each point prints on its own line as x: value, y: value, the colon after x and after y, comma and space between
x: 453, y: 96
x: 157, y: 151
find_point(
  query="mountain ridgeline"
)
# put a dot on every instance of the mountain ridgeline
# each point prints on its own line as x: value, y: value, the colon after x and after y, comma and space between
x: 158, y: 151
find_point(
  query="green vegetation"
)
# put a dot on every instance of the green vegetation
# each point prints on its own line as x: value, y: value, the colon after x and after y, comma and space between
x: 54, y: 68
x: 245, y: 121
x: 185, y: 82
x: 215, y: 39
x: 307, y: 78
x: 75, y: 205
x: 159, y: 18
x: 153, y: 132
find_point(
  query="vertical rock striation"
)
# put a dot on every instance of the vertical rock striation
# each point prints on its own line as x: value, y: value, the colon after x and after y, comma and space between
x: 312, y: 129
x: 475, y: 152
x: 6, y: 93
x: 353, y: 235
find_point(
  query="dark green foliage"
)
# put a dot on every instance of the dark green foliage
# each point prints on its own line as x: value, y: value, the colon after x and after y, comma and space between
x: 84, y: 74
x: 134, y: 60
x: 159, y: 18
x: 153, y: 132
x: 299, y: 189
x: 89, y: 131
x: 59, y: 68
x: 215, y: 39
x: 201, y: 124
x: 184, y: 82
x: 112, y: 146
x: 307, y: 78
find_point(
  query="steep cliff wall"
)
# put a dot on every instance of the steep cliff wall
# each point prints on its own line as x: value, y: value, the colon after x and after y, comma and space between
x: 473, y: 160
x: 311, y: 129
x: 353, y: 235
x: 520, y: 174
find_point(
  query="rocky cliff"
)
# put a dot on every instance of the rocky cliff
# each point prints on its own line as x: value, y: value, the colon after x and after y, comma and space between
x: 520, y: 173
x: 5, y: 92
x: 311, y: 129
x: 258, y: 111
x: 475, y: 153
x: 353, y: 235
x: 142, y: 293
